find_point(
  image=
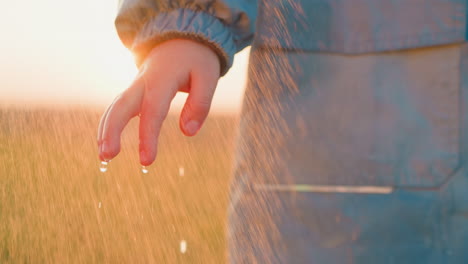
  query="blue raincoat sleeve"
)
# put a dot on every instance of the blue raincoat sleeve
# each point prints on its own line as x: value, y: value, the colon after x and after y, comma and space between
x: 227, y: 26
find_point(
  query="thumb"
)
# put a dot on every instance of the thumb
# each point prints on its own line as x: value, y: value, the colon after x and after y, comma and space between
x: 198, y: 102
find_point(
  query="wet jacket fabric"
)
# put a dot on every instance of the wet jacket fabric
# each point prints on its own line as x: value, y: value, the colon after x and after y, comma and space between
x: 354, y: 131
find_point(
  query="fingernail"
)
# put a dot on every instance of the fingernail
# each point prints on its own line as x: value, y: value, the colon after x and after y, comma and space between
x: 143, y: 158
x: 192, y: 127
x: 104, y: 148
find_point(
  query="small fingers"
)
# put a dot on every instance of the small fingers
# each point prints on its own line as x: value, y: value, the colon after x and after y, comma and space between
x: 154, y: 109
x: 101, y: 126
x: 101, y: 129
x: 124, y: 108
x: 198, y: 102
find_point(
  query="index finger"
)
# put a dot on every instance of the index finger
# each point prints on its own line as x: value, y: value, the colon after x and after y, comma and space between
x: 154, y: 109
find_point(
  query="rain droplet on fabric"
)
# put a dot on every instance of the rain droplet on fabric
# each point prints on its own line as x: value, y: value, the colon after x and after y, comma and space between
x: 103, y: 166
x: 144, y: 169
x: 181, y: 171
x: 183, y: 246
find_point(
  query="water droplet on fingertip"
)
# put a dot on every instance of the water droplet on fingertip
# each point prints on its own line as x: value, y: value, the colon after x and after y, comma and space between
x: 103, y: 166
x: 144, y: 169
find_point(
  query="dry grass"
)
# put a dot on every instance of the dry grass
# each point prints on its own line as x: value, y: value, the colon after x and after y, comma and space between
x: 51, y: 187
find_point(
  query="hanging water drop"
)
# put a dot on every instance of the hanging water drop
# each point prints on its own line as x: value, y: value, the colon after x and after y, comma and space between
x: 103, y: 166
x: 144, y: 169
x: 183, y: 246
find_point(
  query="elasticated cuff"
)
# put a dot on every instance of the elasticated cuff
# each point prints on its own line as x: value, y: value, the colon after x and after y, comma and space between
x: 188, y: 24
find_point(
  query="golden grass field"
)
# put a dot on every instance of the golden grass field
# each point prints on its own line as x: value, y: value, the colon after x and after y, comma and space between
x: 51, y: 187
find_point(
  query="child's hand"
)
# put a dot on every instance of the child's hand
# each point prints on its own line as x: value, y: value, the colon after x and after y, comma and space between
x: 175, y: 65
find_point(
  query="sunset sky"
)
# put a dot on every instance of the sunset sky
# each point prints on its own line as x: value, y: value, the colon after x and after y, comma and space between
x: 64, y: 52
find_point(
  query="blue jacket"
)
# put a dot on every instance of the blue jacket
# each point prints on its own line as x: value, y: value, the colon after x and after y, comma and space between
x: 228, y: 26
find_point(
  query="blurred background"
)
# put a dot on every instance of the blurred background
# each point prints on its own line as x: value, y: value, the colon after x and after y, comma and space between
x: 61, y: 64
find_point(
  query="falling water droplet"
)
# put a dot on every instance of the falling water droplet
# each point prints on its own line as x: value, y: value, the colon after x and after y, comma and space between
x: 144, y: 169
x: 103, y: 166
x: 181, y: 171
x: 183, y: 246
x: 99, y: 205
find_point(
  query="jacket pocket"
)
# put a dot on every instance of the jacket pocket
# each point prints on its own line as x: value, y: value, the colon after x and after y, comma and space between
x: 360, y: 26
x: 385, y: 119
